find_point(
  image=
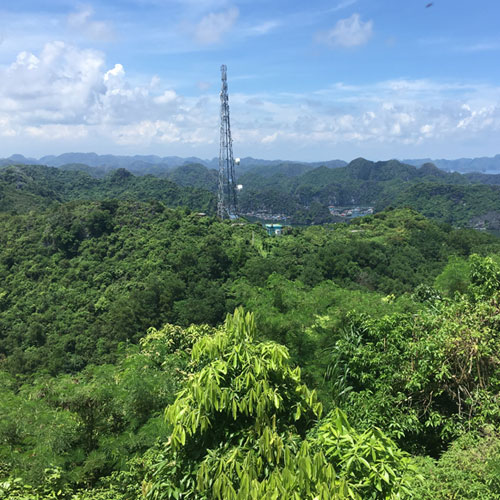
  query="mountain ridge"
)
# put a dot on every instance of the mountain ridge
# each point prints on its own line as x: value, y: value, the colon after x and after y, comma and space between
x: 137, y: 163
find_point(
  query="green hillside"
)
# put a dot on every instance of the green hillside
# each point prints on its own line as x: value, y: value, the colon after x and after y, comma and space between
x: 195, y: 175
x: 151, y: 352
x: 298, y: 191
x: 459, y: 205
x: 435, y: 193
x: 28, y: 187
x: 380, y: 317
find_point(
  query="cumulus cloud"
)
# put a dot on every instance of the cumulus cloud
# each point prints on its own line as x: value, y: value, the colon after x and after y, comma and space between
x: 392, y: 116
x: 113, y: 78
x: 60, y: 80
x: 146, y: 131
x: 74, y: 96
x: 349, y: 32
x: 214, y: 25
x: 166, y: 97
x: 25, y: 60
x: 66, y: 92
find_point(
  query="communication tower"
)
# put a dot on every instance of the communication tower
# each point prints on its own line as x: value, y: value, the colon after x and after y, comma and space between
x: 226, y: 198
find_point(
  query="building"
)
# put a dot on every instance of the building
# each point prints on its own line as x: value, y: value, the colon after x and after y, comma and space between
x: 274, y: 229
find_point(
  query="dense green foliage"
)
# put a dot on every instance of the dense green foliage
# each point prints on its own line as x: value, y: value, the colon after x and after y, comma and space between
x: 460, y: 205
x: 432, y: 376
x: 82, y: 427
x: 195, y: 175
x: 79, y: 279
x: 370, y: 352
x: 240, y: 431
x: 29, y: 187
x: 300, y: 194
x: 469, y: 470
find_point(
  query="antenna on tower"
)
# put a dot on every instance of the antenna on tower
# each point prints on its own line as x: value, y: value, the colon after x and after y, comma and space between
x: 226, y: 197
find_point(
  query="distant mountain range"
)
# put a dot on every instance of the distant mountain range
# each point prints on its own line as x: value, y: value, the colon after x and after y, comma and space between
x: 157, y: 165
x: 138, y: 164
x: 486, y: 165
x: 303, y: 193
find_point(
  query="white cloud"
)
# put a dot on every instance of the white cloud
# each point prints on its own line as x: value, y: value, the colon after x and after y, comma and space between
x: 262, y: 28
x: 155, y: 81
x: 81, y: 17
x: 167, y: 97
x: 214, y: 25
x: 269, y: 138
x: 61, y: 77
x: 5, y: 127
x: 25, y: 60
x: 113, y: 78
x: 393, y: 116
x: 68, y: 94
x: 349, y: 32
x: 426, y: 129
x: 57, y: 132
x: 73, y: 96
x: 147, y: 131
x: 480, y: 47
x: 82, y: 20
x: 343, y: 5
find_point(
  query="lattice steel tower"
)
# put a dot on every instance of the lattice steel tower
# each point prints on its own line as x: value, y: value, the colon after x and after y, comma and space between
x: 226, y: 199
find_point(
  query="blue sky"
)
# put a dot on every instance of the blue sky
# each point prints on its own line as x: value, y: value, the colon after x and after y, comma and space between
x: 307, y: 80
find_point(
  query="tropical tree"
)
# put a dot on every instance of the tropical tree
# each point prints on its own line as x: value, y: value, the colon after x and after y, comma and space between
x: 244, y: 427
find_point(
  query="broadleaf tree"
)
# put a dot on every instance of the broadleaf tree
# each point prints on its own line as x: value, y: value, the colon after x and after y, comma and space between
x: 246, y: 427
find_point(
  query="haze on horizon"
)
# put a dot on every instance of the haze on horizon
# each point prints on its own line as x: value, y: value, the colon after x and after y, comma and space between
x: 342, y: 79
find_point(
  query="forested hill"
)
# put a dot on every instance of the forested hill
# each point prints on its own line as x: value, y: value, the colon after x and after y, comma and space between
x: 361, y: 180
x: 367, y: 368
x: 27, y: 187
x: 87, y: 275
x: 302, y: 192
x: 195, y: 175
x: 378, y: 184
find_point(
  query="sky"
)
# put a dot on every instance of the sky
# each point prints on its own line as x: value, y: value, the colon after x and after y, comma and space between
x: 308, y: 81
